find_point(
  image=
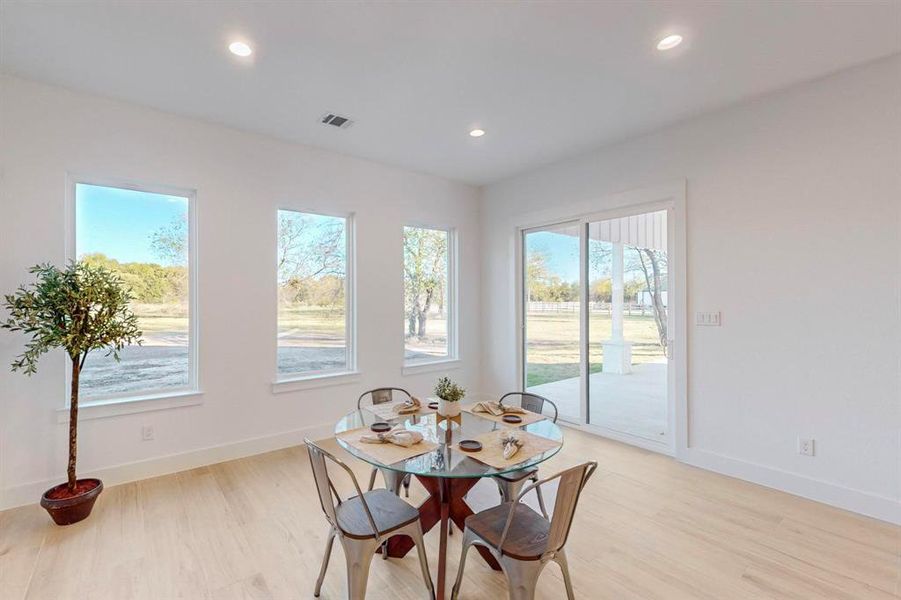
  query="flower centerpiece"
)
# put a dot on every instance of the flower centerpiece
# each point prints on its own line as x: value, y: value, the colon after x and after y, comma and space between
x: 449, y: 396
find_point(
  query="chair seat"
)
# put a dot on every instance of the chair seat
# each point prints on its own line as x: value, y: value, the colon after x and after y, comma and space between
x: 388, y: 511
x: 514, y: 476
x: 527, y: 538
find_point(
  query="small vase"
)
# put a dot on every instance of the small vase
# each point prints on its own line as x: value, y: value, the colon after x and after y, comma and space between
x: 448, y: 409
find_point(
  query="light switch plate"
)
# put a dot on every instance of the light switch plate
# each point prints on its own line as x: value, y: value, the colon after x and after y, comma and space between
x: 709, y: 319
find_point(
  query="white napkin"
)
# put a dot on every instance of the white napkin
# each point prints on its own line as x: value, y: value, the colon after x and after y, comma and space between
x: 497, y: 409
x: 397, y: 436
x: 512, y: 444
x: 408, y: 406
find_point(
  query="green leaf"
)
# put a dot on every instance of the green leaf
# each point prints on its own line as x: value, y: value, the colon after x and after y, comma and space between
x: 80, y: 308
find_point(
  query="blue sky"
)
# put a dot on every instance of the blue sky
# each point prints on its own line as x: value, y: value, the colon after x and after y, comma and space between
x: 120, y: 223
x: 562, y: 255
x: 561, y: 252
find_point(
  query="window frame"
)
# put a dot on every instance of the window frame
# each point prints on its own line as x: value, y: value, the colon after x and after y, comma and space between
x: 185, y: 395
x: 296, y: 380
x: 453, y: 348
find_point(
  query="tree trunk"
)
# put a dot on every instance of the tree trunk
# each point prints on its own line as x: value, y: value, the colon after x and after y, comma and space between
x: 73, y: 423
x: 654, y: 285
x: 422, y: 321
x: 424, y: 313
x: 411, y: 318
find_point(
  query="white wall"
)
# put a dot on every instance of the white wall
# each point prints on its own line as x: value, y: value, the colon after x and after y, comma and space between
x: 793, y: 225
x: 796, y: 193
x: 240, y: 179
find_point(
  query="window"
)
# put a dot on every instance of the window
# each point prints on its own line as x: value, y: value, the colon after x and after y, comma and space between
x: 144, y: 236
x: 314, y: 295
x: 429, y: 300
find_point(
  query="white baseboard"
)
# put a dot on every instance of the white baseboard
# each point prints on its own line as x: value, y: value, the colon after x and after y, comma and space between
x: 871, y: 505
x: 30, y: 493
x: 618, y: 436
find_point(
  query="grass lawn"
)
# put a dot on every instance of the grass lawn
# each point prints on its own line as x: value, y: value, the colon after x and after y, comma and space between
x: 539, y: 373
x: 552, y: 350
x: 154, y: 318
x: 312, y: 321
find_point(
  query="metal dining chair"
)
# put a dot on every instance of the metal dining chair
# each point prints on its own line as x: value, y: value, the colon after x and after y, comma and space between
x: 362, y: 523
x: 393, y: 480
x: 522, y: 540
x: 510, y: 484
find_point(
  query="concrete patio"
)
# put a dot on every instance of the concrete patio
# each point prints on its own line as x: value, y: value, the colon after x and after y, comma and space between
x: 633, y: 403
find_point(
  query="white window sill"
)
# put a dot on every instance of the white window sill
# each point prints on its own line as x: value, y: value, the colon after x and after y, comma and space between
x: 442, y: 364
x: 127, y: 406
x: 315, y: 381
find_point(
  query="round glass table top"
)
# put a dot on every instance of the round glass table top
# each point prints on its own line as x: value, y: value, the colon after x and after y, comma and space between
x: 447, y: 460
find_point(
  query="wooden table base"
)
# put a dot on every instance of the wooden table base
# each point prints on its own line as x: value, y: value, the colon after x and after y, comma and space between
x: 445, y: 502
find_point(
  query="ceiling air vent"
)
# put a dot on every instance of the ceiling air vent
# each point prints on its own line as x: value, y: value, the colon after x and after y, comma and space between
x: 336, y: 121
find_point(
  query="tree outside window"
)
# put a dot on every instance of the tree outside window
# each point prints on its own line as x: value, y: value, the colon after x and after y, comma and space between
x: 426, y: 293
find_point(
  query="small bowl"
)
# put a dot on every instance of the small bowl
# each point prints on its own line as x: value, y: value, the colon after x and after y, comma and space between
x: 433, y: 405
x: 470, y: 445
x: 511, y: 419
x: 380, y: 427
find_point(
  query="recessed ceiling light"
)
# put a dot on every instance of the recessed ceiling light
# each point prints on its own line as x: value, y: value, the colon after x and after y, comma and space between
x: 669, y: 42
x: 240, y: 49
x: 477, y: 132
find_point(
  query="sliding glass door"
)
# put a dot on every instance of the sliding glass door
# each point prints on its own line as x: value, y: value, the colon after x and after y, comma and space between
x: 627, y: 325
x: 551, y: 315
x: 596, y: 322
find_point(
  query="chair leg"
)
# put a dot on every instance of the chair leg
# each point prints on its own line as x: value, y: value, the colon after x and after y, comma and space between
x: 415, y: 532
x: 372, y: 479
x: 358, y: 554
x: 325, y: 558
x: 509, y: 489
x: 407, y: 480
x: 393, y: 480
x: 560, y: 558
x: 522, y: 577
x: 468, y: 538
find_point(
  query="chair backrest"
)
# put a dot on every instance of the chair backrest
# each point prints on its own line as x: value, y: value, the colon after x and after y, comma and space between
x: 328, y: 495
x: 532, y: 402
x: 570, y: 486
x: 381, y: 395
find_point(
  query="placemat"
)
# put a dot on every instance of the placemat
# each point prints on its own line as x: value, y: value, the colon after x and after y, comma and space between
x: 386, y: 411
x: 528, y: 417
x: 492, y: 452
x: 386, y: 454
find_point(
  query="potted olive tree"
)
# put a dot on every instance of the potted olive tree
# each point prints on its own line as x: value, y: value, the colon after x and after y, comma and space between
x: 449, y: 396
x: 80, y: 308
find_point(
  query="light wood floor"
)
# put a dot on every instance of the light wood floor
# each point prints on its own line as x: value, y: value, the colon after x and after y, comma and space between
x: 647, y: 528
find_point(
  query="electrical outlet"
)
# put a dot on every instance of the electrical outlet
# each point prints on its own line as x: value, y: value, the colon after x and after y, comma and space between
x: 805, y: 447
x: 147, y: 433
x: 710, y: 319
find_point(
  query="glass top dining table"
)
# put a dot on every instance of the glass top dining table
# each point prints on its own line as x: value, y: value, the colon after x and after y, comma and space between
x: 447, y: 461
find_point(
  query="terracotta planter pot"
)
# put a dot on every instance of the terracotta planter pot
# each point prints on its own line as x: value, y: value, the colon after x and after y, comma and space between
x: 65, y: 511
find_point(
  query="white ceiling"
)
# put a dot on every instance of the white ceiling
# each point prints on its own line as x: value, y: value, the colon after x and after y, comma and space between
x: 546, y: 80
